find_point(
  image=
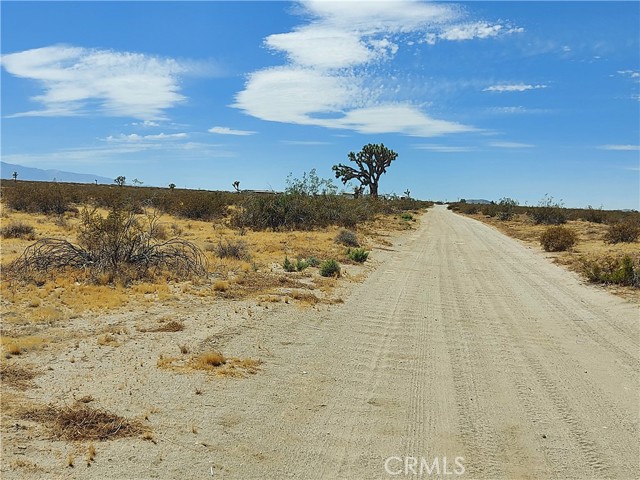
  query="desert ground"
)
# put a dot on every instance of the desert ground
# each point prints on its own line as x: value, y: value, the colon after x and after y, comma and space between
x: 454, y: 341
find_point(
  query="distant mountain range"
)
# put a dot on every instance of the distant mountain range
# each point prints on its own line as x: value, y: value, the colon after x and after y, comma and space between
x: 40, y: 175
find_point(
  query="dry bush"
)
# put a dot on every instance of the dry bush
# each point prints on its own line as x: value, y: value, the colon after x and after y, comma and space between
x: 623, y: 232
x: 347, y: 238
x: 18, y: 230
x: 16, y: 376
x: 221, y: 285
x: 237, y: 249
x: 119, y: 246
x: 557, y: 239
x: 208, y: 360
x: 171, y: 326
x: 81, y: 422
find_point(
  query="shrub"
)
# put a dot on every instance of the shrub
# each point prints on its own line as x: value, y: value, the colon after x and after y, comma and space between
x: 330, y: 268
x: 358, y: 255
x: 548, y: 212
x: 620, y: 232
x: 37, y: 197
x: 613, y: 270
x: 406, y: 216
x: 347, y: 238
x: 288, y: 265
x: 506, y: 208
x: 120, y: 246
x: 557, y: 239
x: 18, y: 230
x: 313, y: 261
x: 232, y: 249
x: 301, y: 265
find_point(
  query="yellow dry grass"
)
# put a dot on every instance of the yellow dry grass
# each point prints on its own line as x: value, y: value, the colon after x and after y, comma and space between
x: 69, y: 295
x: 212, y: 362
x: 590, y: 244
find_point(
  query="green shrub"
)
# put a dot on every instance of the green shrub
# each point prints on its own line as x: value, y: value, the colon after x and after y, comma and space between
x: 288, y: 265
x: 348, y: 238
x: 358, y: 255
x: 37, y: 197
x: 506, y: 208
x: 613, y: 270
x: 301, y: 265
x: 18, y: 230
x: 548, y: 212
x: 406, y: 216
x: 313, y: 261
x: 557, y: 239
x: 623, y: 232
x: 330, y: 268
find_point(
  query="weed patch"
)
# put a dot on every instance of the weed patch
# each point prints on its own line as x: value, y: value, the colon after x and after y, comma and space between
x: 557, y: 239
x: 81, y: 422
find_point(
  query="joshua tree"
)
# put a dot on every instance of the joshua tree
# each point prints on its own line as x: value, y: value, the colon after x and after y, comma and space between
x: 137, y: 182
x: 172, y: 186
x: 371, y: 163
x: 407, y: 193
x: 15, y: 176
x: 120, y: 180
x: 236, y: 186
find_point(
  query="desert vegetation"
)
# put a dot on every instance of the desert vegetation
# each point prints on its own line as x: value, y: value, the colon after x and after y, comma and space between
x: 107, y: 276
x: 602, y: 245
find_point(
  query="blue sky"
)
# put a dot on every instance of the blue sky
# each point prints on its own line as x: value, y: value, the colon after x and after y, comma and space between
x: 479, y: 99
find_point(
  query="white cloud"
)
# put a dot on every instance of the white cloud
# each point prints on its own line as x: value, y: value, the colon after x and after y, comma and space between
x: 620, y: 147
x: 229, y: 131
x: 331, y: 76
x: 75, y: 79
x: 442, y: 148
x: 145, y: 124
x: 518, y: 87
x: 511, y: 145
x: 134, y: 137
x: 634, y: 74
x: 470, y: 31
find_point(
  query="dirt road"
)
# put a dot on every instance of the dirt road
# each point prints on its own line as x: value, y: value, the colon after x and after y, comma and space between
x: 462, y: 344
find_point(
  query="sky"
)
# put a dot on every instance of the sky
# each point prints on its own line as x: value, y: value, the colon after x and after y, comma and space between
x: 479, y: 99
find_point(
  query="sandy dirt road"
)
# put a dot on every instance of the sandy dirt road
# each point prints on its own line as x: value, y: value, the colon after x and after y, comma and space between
x: 464, y: 344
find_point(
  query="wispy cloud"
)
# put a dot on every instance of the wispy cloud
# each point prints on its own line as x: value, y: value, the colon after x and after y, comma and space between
x: 442, y: 148
x: 77, y: 81
x: 620, y: 147
x: 634, y: 74
x: 510, y: 145
x: 230, y: 131
x: 473, y: 30
x: 134, y: 137
x: 516, y: 87
x: 331, y: 74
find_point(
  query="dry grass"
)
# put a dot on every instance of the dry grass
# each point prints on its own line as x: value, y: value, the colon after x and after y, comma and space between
x: 212, y: 362
x: 108, y: 340
x: 590, y: 246
x: 16, y: 376
x: 70, y: 294
x: 208, y: 360
x: 170, y: 326
x: 81, y: 422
